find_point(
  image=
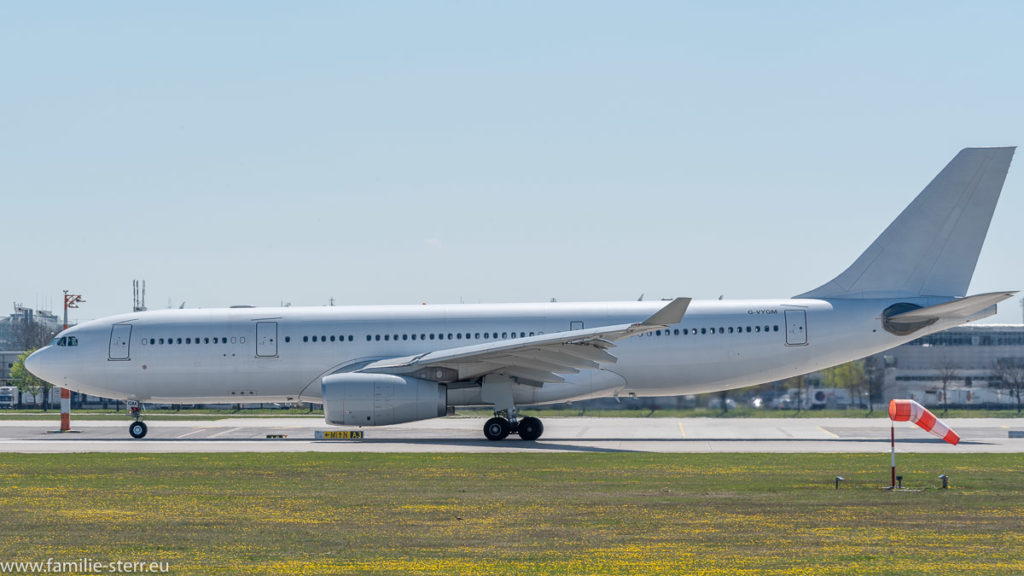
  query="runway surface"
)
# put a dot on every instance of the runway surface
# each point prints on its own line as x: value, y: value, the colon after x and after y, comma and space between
x: 777, y: 435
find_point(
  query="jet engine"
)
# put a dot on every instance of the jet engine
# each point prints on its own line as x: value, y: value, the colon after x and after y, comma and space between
x: 379, y: 399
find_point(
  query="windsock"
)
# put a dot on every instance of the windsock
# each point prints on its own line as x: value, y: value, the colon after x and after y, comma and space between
x: 904, y: 410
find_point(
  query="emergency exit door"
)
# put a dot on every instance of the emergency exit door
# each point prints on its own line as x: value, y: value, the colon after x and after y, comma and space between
x: 120, y: 342
x: 796, y: 328
x: 266, y: 339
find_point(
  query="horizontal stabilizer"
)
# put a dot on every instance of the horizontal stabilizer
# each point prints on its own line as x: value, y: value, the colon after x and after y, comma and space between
x: 961, y: 309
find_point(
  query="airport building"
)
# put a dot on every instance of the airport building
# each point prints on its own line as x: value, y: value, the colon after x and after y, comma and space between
x: 8, y: 325
x: 972, y: 360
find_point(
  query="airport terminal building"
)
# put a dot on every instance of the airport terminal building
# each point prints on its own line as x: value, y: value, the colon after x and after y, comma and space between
x: 971, y: 359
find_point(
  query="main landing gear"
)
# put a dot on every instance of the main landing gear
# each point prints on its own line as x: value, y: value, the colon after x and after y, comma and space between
x: 138, y: 428
x: 499, y: 427
x: 497, y: 389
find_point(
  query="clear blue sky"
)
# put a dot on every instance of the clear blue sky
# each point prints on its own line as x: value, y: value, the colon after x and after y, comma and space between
x: 385, y: 152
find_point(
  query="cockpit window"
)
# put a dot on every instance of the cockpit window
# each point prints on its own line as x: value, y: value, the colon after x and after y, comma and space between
x: 65, y: 341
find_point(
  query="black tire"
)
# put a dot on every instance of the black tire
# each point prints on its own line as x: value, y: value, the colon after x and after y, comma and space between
x: 530, y: 428
x: 138, y: 429
x: 496, y: 429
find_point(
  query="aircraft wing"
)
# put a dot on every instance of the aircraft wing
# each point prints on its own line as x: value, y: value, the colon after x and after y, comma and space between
x: 533, y: 360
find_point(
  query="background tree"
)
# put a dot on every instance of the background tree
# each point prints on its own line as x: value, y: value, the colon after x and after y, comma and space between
x: 1011, y: 372
x: 849, y: 376
x: 798, y: 383
x: 949, y: 371
x: 28, y: 334
x: 874, y: 370
x: 28, y: 383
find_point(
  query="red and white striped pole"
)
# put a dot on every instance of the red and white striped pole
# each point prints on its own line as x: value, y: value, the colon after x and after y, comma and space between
x: 70, y: 301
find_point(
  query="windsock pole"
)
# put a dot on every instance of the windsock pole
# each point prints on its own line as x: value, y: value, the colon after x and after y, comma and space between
x: 892, y: 439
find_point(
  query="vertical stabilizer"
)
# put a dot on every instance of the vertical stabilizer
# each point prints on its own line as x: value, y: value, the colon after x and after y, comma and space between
x: 932, y: 247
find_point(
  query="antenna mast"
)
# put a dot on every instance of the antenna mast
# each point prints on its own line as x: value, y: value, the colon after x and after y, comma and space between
x: 139, y: 304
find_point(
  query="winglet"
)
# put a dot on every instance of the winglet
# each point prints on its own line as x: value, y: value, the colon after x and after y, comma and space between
x: 670, y: 314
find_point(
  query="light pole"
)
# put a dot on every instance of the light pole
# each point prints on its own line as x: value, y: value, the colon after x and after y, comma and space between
x: 70, y: 301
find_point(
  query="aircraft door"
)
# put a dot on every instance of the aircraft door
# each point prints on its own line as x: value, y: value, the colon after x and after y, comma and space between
x: 266, y: 339
x: 576, y: 325
x: 796, y: 328
x: 120, y: 342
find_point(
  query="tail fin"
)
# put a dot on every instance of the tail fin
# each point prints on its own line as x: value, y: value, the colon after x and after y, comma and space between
x: 932, y: 247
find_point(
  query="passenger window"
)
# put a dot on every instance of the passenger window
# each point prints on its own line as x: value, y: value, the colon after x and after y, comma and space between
x: 368, y: 338
x: 676, y: 331
x: 766, y: 329
x: 449, y: 335
x: 486, y: 336
x: 152, y: 341
x: 757, y: 328
x: 405, y: 336
x: 703, y: 330
x: 748, y: 329
x: 287, y: 339
x: 376, y: 337
x: 304, y: 339
x: 775, y: 328
x: 431, y: 335
x: 332, y: 337
x: 349, y: 337
x: 459, y: 336
x: 188, y: 340
x: 387, y: 337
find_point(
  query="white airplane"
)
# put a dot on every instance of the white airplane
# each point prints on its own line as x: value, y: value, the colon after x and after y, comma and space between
x: 379, y: 365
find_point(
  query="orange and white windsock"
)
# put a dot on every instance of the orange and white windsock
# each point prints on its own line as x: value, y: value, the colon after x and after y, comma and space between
x: 904, y: 410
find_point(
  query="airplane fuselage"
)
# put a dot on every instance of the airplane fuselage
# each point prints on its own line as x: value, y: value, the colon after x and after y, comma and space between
x: 248, y: 355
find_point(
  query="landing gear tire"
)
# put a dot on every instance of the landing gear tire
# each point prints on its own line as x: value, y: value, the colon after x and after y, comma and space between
x: 138, y: 429
x: 530, y: 428
x: 497, y: 429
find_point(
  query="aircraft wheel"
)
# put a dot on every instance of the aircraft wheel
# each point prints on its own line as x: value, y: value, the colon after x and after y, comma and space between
x: 530, y: 428
x: 496, y: 429
x: 138, y: 429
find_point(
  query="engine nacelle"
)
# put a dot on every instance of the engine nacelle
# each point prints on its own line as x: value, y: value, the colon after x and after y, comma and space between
x: 380, y: 399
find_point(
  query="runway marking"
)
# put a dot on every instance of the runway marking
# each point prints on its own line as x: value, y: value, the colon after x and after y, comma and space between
x: 682, y: 430
x: 228, y: 431
x: 186, y: 434
x: 827, y: 432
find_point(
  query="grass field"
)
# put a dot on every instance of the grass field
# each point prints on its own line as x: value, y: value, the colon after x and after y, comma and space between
x: 516, y: 513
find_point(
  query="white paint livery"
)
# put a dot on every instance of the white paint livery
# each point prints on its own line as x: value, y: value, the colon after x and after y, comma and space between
x: 377, y: 365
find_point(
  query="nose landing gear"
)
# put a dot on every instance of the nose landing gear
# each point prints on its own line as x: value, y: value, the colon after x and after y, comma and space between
x: 138, y: 428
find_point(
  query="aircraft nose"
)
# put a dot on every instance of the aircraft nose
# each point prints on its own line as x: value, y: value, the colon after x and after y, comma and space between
x: 34, y: 364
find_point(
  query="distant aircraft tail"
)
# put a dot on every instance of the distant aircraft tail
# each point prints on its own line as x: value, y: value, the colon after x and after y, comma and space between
x: 932, y: 247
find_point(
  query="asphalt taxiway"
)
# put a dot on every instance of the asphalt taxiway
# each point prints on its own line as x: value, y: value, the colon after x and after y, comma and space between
x: 776, y: 435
